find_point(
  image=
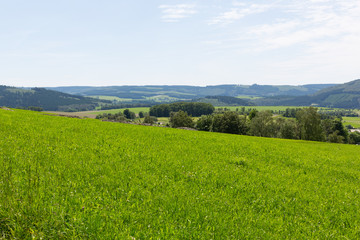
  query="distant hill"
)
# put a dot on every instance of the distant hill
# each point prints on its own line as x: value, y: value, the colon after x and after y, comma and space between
x: 166, y: 93
x: 224, y: 101
x: 345, y: 95
x: 46, y: 99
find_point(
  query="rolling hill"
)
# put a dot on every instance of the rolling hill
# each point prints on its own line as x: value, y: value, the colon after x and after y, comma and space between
x: 345, y: 95
x: 175, y: 93
x: 65, y: 178
x: 46, y: 99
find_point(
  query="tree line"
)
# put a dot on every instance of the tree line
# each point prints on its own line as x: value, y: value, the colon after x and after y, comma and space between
x: 308, y: 124
x: 195, y: 109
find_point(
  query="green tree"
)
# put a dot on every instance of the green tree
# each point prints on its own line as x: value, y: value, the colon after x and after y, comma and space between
x: 180, y: 119
x: 204, y: 123
x: 309, y: 122
x: 229, y: 122
x: 253, y: 113
x: 354, y: 138
x: 263, y: 125
x: 150, y: 119
x: 129, y: 115
x: 288, y: 129
x: 335, y: 137
x: 340, y: 129
x: 334, y: 130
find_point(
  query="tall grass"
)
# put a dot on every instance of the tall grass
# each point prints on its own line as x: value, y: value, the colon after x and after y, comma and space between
x: 72, y: 178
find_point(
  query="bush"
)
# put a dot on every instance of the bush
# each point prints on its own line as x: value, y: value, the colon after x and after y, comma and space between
x: 150, y: 119
x: 354, y: 138
x: 180, y: 119
x: 129, y: 115
x: 204, y: 123
x: 229, y: 122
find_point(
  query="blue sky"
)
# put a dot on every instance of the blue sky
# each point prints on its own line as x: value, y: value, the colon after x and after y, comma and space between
x: 203, y: 42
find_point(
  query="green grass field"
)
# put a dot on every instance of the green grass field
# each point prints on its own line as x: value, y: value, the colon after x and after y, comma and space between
x: 113, y: 98
x: 83, y: 178
x: 353, y: 121
x: 135, y: 110
x: 248, y: 97
x: 93, y: 114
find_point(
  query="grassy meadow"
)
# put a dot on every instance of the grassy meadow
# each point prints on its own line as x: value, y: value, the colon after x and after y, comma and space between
x: 65, y: 178
x: 93, y: 114
x: 353, y: 121
x: 112, y: 98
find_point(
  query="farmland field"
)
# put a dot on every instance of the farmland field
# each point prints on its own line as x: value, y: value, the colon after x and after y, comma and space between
x: 112, y: 98
x: 83, y: 178
x: 353, y: 121
x: 93, y: 114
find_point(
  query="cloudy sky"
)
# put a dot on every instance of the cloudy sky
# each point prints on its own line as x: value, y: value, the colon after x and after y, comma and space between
x: 173, y: 42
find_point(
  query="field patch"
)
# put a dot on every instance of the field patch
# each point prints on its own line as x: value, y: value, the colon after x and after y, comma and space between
x: 93, y: 114
x: 353, y: 121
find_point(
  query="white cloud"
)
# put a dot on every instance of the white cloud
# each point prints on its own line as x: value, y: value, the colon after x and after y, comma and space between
x: 173, y: 13
x: 240, y: 10
x: 306, y: 40
x: 311, y: 23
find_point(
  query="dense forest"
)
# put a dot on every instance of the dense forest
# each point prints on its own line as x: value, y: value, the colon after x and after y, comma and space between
x: 340, y: 96
x: 194, y: 109
x: 46, y: 99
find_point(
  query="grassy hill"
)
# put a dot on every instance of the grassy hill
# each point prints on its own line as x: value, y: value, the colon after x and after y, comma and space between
x: 47, y: 99
x: 73, y: 178
x: 345, y: 95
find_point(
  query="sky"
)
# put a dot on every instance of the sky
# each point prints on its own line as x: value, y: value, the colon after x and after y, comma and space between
x: 171, y: 42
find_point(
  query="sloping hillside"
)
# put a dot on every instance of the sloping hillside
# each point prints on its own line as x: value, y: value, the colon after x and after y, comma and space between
x: 67, y: 178
x: 44, y: 98
x: 345, y: 95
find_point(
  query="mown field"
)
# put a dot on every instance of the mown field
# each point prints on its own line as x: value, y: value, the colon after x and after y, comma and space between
x: 112, y: 98
x: 83, y: 178
x: 93, y: 114
x: 353, y: 121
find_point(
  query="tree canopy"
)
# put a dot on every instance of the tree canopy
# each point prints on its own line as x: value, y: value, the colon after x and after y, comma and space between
x: 194, y: 109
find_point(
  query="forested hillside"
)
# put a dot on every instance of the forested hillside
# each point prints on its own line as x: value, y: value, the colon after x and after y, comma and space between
x: 345, y: 95
x: 46, y: 99
x: 192, y: 92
